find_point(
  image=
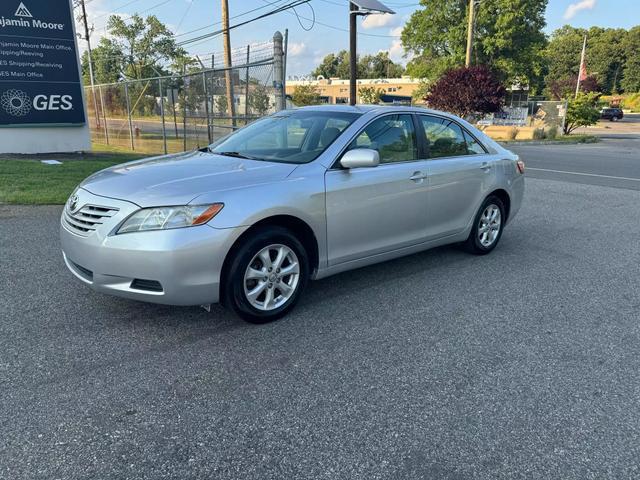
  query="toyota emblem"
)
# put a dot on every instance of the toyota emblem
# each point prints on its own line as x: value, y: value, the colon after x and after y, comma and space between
x: 73, y: 203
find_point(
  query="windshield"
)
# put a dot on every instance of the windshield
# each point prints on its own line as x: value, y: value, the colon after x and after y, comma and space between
x: 290, y: 137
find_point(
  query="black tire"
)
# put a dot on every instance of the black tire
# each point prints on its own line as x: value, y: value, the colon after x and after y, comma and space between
x: 614, y: 119
x: 473, y: 244
x: 234, y: 296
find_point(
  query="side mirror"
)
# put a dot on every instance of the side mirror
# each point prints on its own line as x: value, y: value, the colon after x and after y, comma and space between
x: 360, y: 157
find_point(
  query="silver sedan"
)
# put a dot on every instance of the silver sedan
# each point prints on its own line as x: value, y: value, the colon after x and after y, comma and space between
x: 298, y: 195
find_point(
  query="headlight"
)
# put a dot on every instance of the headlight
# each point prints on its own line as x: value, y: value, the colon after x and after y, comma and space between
x: 164, y: 218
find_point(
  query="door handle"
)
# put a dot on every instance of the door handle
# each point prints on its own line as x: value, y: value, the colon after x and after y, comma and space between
x: 486, y: 166
x: 418, y: 176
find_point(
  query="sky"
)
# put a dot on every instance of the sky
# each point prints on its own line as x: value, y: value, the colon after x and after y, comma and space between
x: 309, y: 40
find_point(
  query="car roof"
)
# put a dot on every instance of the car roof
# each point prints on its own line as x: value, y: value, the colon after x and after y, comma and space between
x: 371, y: 108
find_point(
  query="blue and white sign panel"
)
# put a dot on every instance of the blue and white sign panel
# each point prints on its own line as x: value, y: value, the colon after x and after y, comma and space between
x: 39, y: 76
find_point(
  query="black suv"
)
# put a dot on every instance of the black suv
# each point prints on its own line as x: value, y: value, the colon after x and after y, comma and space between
x: 611, y: 113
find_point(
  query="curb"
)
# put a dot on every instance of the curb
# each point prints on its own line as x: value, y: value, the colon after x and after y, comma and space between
x: 551, y: 142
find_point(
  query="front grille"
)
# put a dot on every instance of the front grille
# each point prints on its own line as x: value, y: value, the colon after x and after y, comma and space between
x: 88, y: 218
x: 148, y: 285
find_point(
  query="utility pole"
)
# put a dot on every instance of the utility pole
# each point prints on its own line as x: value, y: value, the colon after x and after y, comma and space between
x: 353, y: 48
x: 227, y: 60
x: 87, y: 37
x: 472, y: 12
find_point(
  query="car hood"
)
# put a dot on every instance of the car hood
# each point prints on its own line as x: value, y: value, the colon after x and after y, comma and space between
x: 178, y: 179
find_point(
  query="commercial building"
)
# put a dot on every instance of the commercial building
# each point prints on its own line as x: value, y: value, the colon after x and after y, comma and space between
x: 336, y: 91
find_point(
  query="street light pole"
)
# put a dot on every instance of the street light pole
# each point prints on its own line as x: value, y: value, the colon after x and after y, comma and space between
x: 359, y: 8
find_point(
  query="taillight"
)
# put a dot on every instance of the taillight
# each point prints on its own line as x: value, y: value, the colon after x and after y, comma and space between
x: 520, y: 166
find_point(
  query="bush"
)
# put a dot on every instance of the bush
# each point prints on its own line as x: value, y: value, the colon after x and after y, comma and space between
x: 538, y: 134
x: 370, y: 95
x: 582, y: 111
x: 513, y: 133
x: 552, y: 133
x: 305, y: 95
x: 632, y: 102
x: 467, y: 92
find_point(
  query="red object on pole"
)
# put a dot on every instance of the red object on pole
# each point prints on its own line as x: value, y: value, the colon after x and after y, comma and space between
x: 582, y: 74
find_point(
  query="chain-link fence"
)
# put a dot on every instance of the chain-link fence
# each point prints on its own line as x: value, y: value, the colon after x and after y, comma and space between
x: 538, y: 114
x: 182, y: 112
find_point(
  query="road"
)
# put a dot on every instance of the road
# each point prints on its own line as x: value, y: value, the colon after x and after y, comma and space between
x: 613, y: 162
x: 521, y: 364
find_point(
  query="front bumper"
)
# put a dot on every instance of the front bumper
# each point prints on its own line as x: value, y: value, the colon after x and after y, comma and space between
x: 176, y: 267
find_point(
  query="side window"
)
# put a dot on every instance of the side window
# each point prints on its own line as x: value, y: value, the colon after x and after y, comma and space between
x: 474, y: 147
x: 393, y: 136
x: 444, y: 137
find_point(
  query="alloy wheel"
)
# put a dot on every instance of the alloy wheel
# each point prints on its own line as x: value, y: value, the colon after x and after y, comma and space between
x: 489, y: 226
x: 271, y: 278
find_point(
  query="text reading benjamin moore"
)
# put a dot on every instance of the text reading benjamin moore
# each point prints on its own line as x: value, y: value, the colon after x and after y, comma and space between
x: 39, y: 80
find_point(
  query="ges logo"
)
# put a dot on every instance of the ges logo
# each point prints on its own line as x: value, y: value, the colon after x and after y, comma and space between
x: 18, y: 104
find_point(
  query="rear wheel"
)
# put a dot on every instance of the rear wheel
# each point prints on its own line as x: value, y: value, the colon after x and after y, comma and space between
x: 266, y: 276
x: 487, y: 227
x: 614, y: 119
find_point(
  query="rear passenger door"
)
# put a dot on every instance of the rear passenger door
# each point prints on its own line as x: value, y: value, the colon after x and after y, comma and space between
x: 457, y: 169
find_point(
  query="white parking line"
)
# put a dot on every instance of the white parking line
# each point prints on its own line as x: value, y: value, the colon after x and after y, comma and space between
x: 585, y: 174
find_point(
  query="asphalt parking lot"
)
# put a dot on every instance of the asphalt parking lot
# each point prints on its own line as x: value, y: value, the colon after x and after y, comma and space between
x: 521, y: 364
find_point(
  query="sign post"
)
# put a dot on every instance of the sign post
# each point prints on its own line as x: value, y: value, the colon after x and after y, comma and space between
x: 40, y: 83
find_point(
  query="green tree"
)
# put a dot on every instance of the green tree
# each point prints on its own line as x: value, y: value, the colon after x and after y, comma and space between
x: 508, y: 37
x: 367, y: 66
x: 605, y: 55
x: 631, y: 73
x: 259, y: 100
x: 420, y: 94
x: 107, y: 61
x: 379, y: 66
x: 305, y: 95
x: 582, y: 112
x: 145, y: 43
x: 221, y: 104
x: 370, y: 95
x: 334, y: 65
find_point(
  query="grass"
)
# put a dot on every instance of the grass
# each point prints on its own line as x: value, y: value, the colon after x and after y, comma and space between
x: 25, y: 180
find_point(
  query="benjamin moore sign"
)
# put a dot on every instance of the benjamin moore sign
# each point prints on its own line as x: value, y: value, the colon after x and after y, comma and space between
x: 39, y: 79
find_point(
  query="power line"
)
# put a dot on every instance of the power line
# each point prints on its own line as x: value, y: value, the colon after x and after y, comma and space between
x: 283, y: 8
x: 116, y: 9
x: 231, y: 18
x: 129, y: 17
x: 340, y: 29
x: 191, y: 2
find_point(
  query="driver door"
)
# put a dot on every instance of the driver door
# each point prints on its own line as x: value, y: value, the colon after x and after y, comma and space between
x: 378, y: 209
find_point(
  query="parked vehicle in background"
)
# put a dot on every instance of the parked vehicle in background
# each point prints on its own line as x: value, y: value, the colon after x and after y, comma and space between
x: 611, y: 113
x: 301, y: 194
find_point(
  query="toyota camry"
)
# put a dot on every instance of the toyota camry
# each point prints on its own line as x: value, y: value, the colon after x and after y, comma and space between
x: 298, y: 195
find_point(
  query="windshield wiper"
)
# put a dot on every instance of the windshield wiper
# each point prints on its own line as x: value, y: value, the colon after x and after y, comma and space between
x: 235, y: 154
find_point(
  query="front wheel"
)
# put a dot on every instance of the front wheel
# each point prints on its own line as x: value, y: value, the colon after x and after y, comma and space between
x: 487, y: 227
x: 614, y: 119
x: 266, y: 276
